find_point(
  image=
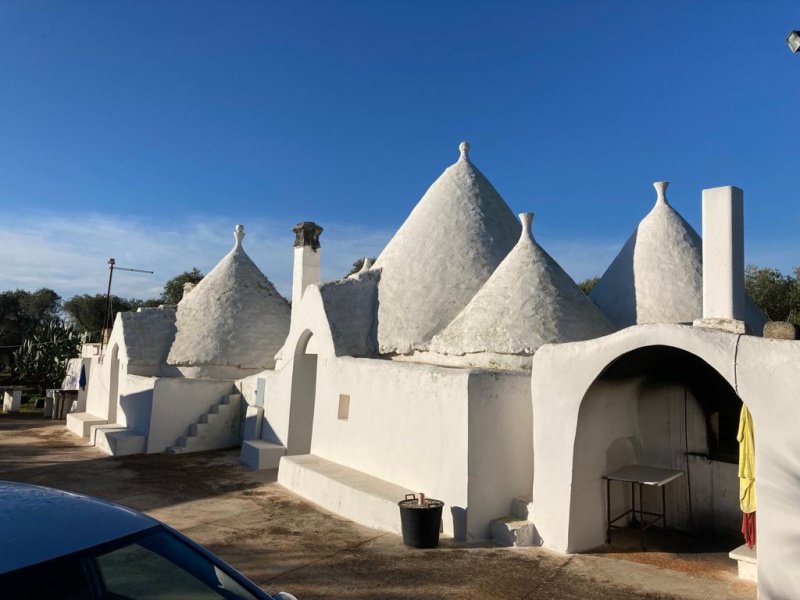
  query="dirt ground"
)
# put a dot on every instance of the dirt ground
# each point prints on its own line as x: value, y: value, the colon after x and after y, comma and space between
x: 283, y: 542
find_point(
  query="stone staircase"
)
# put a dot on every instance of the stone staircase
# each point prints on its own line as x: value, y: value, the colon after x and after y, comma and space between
x: 515, y: 529
x: 216, y: 429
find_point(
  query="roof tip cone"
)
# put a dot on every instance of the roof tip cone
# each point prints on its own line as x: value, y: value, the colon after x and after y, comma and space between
x: 238, y: 235
x: 463, y: 148
x: 661, y: 190
x: 526, y: 219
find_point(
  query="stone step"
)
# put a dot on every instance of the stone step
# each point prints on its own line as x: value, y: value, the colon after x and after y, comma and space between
x: 119, y: 441
x: 261, y: 454
x: 747, y: 561
x: 198, y: 429
x: 231, y: 399
x: 513, y: 531
x: 81, y: 423
x: 522, y: 507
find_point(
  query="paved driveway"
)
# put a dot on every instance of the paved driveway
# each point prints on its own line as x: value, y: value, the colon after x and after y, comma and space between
x: 285, y: 543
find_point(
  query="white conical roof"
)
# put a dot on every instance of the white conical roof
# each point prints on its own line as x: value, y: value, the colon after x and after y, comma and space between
x: 234, y: 317
x: 528, y: 301
x: 657, y: 277
x: 444, y: 252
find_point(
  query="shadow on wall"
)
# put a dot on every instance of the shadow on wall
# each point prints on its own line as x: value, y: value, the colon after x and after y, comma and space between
x: 137, y: 408
x: 459, y: 522
x: 615, y: 296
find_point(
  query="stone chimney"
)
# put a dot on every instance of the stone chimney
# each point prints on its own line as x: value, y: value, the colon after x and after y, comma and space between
x: 723, y: 259
x: 306, y: 260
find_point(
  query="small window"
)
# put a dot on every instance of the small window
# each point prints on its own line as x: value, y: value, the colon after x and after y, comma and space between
x: 344, y: 407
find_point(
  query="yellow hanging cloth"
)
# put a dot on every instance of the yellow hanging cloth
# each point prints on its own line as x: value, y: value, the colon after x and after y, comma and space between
x: 747, y: 462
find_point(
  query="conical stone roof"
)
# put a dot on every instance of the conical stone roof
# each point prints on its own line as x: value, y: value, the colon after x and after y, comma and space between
x: 657, y: 277
x: 527, y: 302
x: 233, y: 318
x: 440, y: 257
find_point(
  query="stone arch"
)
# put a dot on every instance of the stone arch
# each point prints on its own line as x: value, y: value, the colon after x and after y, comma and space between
x: 652, y: 404
x: 303, y: 394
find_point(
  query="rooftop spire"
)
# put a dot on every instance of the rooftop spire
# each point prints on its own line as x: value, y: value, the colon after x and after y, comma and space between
x: 463, y: 147
x: 661, y: 190
x: 238, y: 235
x: 526, y: 219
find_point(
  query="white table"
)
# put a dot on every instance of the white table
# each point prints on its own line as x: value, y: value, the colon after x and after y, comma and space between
x: 639, y: 476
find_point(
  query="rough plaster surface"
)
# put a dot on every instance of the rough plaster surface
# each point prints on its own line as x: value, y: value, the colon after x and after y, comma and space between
x: 657, y: 277
x: 234, y: 317
x: 440, y: 257
x: 350, y: 307
x: 528, y: 301
x: 147, y: 334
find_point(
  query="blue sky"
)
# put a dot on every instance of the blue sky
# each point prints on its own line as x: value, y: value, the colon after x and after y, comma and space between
x: 146, y: 130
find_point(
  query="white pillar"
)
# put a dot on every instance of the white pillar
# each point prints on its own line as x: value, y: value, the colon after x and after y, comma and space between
x: 12, y: 399
x: 723, y: 256
x: 307, y: 260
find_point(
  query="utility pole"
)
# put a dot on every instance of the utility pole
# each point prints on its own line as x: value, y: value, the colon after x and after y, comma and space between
x: 112, y: 264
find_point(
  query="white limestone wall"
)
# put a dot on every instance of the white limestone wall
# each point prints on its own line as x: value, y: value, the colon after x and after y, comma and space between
x: 135, y: 403
x: 407, y: 424
x: 766, y: 375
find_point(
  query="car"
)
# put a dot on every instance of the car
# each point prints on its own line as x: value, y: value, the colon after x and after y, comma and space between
x: 60, y: 545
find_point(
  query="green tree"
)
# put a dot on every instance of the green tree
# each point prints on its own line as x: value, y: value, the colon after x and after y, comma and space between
x: 587, y: 285
x: 358, y: 264
x: 173, y: 289
x: 20, y: 313
x: 776, y: 294
x: 86, y: 311
x: 41, y: 360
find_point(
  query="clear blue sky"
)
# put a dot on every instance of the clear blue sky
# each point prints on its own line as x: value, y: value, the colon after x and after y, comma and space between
x: 148, y: 126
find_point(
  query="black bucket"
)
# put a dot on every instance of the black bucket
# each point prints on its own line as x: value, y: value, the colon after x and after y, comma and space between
x: 420, y: 522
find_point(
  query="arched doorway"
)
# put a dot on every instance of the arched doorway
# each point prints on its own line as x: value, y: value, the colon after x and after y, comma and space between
x: 661, y: 406
x: 113, y: 384
x: 303, y: 397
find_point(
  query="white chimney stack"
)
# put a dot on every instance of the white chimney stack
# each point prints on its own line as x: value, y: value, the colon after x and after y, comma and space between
x: 723, y: 259
x: 306, y: 260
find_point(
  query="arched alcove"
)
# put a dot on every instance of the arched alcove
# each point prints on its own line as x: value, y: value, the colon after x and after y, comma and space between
x: 662, y: 406
x: 303, y: 396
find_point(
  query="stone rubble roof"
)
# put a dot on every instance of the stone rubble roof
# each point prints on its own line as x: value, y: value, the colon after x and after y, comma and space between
x: 527, y: 302
x: 440, y: 257
x: 234, y: 317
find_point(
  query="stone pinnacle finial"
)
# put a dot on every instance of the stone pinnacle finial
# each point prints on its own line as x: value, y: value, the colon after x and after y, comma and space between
x: 526, y: 219
x: 661, y: 190
x: 463, y: 147
x: 366, y: 265
x: 238, y: 235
